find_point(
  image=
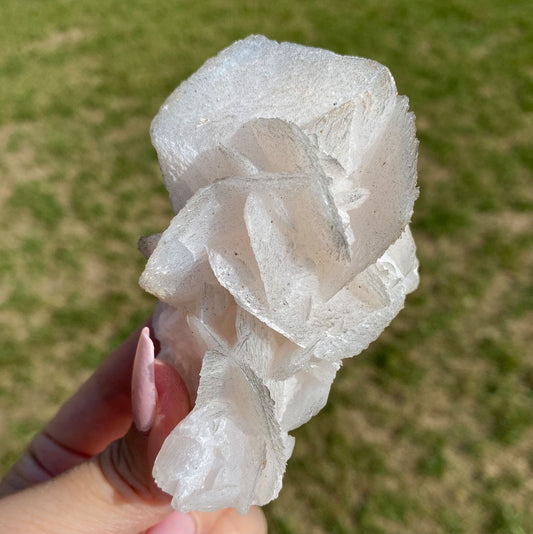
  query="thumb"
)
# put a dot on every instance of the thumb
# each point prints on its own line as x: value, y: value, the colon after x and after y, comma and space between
x: 113, y: 491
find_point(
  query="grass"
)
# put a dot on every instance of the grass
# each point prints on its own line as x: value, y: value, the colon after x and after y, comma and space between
x: 431, y: 429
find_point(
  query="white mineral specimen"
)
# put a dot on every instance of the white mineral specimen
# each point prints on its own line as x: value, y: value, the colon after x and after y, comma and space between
x: 292, y: 173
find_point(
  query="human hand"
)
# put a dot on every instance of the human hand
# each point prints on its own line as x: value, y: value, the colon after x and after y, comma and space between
x: 89, y: 470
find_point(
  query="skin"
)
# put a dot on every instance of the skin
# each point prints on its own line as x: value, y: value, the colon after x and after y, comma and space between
x: 89, y: 470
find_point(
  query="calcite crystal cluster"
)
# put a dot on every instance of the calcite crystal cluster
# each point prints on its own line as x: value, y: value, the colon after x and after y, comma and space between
x: 292, y: 173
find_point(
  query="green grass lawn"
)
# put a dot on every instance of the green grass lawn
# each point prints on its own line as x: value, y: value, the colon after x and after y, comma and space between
x: 431, y: 429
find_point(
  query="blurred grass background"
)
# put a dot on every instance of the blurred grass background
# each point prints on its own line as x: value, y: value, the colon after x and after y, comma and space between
x: 431, y: 429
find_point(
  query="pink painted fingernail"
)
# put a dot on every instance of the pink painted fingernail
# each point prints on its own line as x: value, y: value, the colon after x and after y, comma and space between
x: 175, y: 523
x: 143, y: 391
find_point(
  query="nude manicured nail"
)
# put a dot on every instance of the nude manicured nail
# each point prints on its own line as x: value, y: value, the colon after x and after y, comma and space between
x: 143, y: 390
x: 175, y: 523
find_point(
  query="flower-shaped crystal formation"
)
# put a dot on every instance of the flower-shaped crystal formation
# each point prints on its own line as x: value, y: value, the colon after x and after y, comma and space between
x: 292, y: 172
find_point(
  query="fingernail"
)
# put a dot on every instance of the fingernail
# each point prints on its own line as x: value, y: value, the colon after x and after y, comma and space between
x: 143, y: 391
x: 175, y: 523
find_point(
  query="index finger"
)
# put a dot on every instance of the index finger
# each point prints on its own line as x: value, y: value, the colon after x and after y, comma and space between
x: 97, y: 414
x: 100, y: 411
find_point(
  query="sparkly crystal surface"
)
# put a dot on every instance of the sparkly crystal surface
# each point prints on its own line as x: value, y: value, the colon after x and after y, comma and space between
x: 292, y: 174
